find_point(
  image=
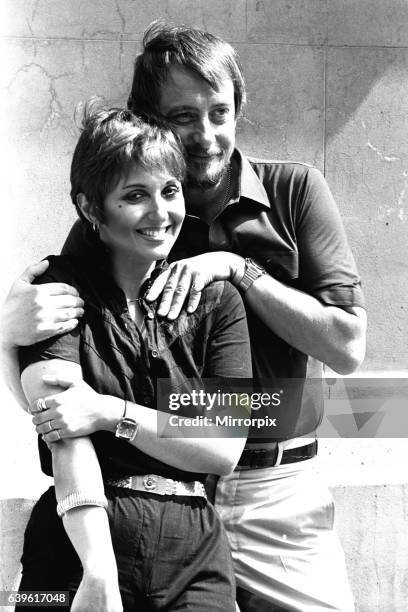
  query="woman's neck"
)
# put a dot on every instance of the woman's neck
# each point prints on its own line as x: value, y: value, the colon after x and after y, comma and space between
x: 129, y: 274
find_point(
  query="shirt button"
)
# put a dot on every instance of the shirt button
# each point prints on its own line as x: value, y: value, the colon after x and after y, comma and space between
x: 147, y: 400
x: 155, y: 353
x: 150, y: 315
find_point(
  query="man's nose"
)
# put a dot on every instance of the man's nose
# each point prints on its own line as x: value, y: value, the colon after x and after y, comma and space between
x: 204, y: 132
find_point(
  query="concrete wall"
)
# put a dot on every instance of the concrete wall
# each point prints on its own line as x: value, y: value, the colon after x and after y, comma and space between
x: 327, y: 83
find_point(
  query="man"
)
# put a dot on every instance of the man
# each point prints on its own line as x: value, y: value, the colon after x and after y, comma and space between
x: 272, y: 228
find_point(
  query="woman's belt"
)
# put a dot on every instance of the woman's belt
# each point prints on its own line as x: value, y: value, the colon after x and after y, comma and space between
x: 159, y: 485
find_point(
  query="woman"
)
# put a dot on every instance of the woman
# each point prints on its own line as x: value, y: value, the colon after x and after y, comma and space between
x: 166, y: 548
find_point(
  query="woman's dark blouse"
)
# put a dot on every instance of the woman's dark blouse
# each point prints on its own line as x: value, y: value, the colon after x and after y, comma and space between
x: 116, y: 360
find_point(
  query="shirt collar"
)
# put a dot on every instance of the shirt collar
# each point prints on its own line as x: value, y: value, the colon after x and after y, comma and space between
x: 250, y: 187
x: 95, y: 266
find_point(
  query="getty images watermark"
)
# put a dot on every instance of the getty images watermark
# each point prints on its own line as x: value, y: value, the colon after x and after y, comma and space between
x: 335, y: 407
x: 211, y: 402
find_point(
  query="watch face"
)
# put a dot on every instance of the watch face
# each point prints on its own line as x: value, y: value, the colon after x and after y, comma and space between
x: 127, y: 429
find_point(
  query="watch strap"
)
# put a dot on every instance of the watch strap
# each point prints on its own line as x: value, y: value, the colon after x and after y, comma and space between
x: 252, y: 272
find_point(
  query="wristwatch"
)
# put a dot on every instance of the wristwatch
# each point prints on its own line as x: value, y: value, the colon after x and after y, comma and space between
x: 127, y: 429
x: 252, y: 272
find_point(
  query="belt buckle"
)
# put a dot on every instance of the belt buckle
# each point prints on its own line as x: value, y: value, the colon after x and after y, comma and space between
x: 150, y: 483
x: 159, y: 485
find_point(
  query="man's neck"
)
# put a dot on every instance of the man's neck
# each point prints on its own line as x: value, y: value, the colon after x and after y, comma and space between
x: 207, y: 203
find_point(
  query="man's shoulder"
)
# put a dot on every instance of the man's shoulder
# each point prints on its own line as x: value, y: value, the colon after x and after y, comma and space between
x: 285, y: 178
x: 279, y: 167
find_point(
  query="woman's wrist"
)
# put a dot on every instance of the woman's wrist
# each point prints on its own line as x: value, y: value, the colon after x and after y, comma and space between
x: 113, y: 409
x: 101, y: 567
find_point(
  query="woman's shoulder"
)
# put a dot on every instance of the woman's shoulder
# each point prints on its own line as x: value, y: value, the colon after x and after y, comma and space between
x: 221, y: 288
x: 61, y: 269
x: 220, y: 294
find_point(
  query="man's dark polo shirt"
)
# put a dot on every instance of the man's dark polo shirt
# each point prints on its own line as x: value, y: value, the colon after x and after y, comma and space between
x: 284, y: 216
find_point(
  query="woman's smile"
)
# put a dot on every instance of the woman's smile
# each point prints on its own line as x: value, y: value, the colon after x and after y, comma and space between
x: 142, y: 215
x: 154, y: 233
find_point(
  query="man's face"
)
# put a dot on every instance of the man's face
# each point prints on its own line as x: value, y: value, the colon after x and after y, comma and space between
x: 204, y: 118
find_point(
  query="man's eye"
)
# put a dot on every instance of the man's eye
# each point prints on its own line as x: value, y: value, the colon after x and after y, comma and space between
x: 221, y: 114
x: 182, y: 118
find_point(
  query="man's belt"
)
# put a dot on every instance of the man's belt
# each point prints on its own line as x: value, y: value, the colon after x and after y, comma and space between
x: 257, y: 458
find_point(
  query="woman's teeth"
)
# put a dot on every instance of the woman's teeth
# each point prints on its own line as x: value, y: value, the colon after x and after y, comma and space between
x: 153, y: 233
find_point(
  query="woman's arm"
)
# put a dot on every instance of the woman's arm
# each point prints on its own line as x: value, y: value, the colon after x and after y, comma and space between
x: 80, y: 411
x: 76, y: 468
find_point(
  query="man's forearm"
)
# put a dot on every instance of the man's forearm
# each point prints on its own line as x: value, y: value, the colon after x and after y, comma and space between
x: 328, y: 333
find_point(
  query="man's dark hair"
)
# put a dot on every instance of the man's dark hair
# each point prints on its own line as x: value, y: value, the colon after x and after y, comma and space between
x: 111, y: 141
x: 204, y: 54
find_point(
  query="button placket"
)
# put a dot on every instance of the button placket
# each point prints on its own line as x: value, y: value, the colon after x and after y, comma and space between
x: 152, y: 331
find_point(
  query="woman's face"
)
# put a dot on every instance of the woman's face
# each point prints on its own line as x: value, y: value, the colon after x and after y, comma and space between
x: 143, y: 215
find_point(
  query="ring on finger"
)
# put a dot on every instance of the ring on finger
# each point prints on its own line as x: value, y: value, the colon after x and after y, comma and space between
x: 50, y: 426
x: 57, y: 432
x: 40, y: 404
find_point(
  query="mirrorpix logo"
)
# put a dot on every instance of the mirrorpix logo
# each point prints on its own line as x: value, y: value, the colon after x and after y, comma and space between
x: 370, y: 407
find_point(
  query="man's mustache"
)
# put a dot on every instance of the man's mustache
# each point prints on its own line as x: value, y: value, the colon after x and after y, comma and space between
x: 200, y: 152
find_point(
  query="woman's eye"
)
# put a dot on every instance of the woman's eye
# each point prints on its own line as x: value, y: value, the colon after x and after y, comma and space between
x: 171, y: 191
x: 134, y: 196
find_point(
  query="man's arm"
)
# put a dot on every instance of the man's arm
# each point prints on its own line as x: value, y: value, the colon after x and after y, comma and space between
x: 76, y: 468
x: 334, y: 335
x: 32, y: 313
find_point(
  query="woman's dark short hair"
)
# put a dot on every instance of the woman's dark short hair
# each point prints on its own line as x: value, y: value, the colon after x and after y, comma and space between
x: 111, y: 141
x: 210, y: 57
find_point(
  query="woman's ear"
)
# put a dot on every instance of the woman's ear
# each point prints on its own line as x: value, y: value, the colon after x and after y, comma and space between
x: 86, y: 208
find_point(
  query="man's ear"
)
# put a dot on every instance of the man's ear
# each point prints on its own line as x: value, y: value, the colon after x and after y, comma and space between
x: 86, y: 208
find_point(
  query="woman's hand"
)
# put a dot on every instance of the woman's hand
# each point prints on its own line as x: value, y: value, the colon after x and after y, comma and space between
x: 77, y: 411
x: 96, y: 593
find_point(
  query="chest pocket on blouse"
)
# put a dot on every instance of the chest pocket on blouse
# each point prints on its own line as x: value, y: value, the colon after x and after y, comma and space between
x: 282, y: 265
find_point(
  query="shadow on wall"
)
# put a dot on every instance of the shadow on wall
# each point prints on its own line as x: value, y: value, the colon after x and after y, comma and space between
x: 352, y: 74
x: 373, y: 36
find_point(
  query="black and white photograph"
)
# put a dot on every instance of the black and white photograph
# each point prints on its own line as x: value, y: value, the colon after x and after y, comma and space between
x: 204, y: 305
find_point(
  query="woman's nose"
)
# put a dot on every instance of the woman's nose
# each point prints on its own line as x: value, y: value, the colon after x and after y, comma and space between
x: 159, y: 208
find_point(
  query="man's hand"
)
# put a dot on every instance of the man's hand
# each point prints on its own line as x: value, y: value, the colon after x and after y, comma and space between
x: 32, y: 313
x: 188, y: 277
x: 77, y: 411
